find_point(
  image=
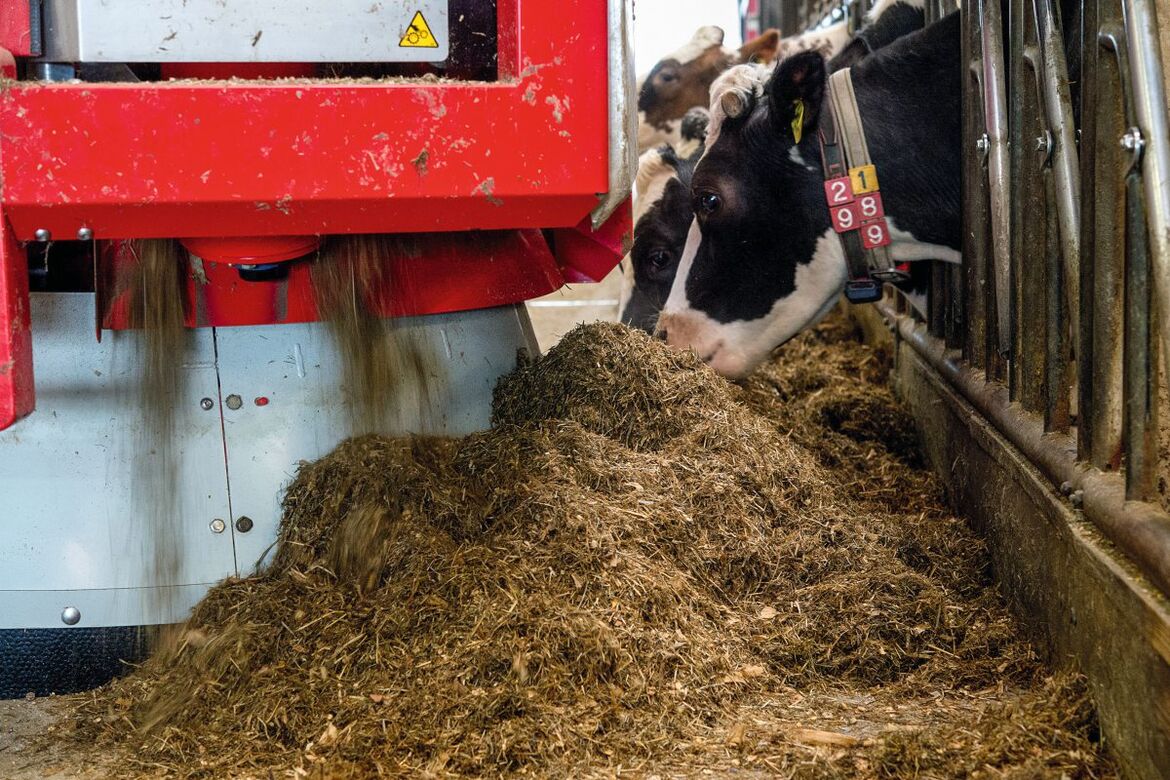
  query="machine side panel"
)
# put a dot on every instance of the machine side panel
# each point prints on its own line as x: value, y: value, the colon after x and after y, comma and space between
x: 16, y: 363
x: 83, y: 496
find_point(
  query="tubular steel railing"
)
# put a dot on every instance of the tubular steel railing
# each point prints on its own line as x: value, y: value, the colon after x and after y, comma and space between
x: 1068, y: 318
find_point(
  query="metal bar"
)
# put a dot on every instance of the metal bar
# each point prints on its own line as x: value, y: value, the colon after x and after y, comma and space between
x: 1090, y: 54
x: 1029, y: 216
x: 995, y: 110
x: 1056, y: 305
x: 975, y: 209
x: 623, y: 115
x: 1149, y: 106
x: 1059, y: 114
x: 1140, y: 529
x: 1141, y: 454
x: 1105, y: 422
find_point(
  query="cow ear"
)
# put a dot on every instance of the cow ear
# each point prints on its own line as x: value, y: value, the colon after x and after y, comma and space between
x: 795, y: 94
x: 761, y: 49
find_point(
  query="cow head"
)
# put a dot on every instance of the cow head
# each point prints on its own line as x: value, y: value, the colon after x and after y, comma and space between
x: 662, y: 217
x: 761, y: 261
x: 683, y: 80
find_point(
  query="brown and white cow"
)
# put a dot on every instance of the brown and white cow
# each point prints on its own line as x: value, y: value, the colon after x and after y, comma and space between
x: 682, y: 81
x: 761, y: 261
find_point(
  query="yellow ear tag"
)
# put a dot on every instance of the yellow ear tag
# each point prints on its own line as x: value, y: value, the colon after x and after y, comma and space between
x: 798, y: 119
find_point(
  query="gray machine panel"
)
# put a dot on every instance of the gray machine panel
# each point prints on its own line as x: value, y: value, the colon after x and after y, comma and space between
x: 75, y: 514
x: 295, y: 368
x: 245, y: 31
x: 74, y: 532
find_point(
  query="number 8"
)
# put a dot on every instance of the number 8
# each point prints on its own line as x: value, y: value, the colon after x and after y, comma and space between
x: 869, y: 206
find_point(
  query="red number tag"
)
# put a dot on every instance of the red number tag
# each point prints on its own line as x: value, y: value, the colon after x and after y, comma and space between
x: 875, y: 234
x: 838, y: 191
x: 870, y: 206
x: 845, y: 218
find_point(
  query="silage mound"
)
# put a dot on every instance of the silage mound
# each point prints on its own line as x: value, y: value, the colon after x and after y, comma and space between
x: 634, y: 553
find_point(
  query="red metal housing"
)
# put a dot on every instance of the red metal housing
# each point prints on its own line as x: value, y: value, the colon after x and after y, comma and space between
x: 304, y: 157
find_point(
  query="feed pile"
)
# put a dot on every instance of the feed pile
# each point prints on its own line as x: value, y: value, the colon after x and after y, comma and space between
x: 640, y: 569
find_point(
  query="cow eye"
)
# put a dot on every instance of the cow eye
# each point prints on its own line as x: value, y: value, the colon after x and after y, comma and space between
x: 659, y: 259
x: 708, y: 203
x: 667, y: 76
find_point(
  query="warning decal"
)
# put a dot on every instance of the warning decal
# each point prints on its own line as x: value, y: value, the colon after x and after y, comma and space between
x: 418, y: 35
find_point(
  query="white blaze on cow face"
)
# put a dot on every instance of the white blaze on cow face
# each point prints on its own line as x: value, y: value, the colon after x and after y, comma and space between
x: 736, y: 348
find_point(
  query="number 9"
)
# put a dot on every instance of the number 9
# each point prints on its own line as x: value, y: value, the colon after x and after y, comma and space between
x: 876, y: 234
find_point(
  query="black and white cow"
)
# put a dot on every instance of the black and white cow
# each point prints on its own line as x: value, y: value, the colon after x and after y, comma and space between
x: 662, y: 217
x: 662, y: 221
x: 761, y: 260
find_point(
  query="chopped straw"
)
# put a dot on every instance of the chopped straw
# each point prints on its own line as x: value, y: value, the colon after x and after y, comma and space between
x: 640, y: 570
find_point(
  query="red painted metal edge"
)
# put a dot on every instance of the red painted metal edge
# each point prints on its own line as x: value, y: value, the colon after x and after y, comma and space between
x: 588, y: 255
x: 16, y: 366
x: 16, y: 27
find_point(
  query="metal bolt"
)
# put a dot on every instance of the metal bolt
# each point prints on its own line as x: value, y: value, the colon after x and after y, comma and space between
x: 234, y: 402
x: 1077, y: 498
x: 1134, y: 143
x: 43, y: 234
x: 983, y: 145
x: 71, y: 616
x: 1044, y: 143
x: 218, y: 526
x: 85, y: 234
x: 1066, y: 488
x: 244, y: 524
x: 207, y: 404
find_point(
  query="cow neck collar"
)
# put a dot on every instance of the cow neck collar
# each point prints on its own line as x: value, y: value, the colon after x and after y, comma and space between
x: 853, y: 195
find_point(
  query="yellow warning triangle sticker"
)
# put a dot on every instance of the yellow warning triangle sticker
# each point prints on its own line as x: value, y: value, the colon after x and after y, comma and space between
x: 418, y: 35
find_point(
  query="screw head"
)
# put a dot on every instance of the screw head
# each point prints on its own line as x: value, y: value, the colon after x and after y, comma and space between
x: 85, y: 234
x: 244, y: 524
x: 207, y: 404
x: 218, y: 526
x: 234, y: 402
x: 71, y: 616
x: 983, y: 144
x: 43, y: 234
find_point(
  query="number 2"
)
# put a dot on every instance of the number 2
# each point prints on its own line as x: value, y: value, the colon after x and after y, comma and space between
x: 838, y: 191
